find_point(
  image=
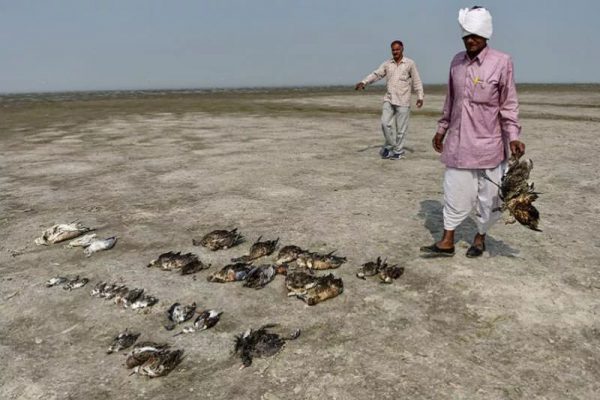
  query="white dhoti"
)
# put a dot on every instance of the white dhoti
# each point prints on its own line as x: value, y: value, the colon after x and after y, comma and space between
x: 466, y: 190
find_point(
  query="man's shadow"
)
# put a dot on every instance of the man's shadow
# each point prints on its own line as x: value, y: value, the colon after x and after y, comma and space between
x: 378, y: 146
x: 431, y: 211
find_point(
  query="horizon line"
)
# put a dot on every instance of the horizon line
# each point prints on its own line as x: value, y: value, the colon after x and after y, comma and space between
x: 260, y: 87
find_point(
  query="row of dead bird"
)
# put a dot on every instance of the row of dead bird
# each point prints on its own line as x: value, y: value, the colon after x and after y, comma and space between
x: 297, y: 264
x: 154, y: 359
x: 158, y: 359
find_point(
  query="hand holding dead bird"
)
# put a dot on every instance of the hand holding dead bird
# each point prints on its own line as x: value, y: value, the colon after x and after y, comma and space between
x: 517, y: 194
x: 517, y: 148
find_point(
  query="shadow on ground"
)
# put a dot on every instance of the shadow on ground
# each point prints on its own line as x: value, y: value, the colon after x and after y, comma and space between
x: 431, y: 211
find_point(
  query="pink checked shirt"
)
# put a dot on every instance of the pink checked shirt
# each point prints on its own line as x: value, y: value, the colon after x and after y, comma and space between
x: 481, y: 112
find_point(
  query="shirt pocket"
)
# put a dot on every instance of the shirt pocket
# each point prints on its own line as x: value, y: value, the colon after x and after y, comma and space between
x: 403, y: 75
x: 485, y: 92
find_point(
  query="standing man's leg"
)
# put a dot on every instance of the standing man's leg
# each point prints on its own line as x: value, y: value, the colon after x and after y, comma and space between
x: 460, y: 196
x: 389, y: 131
x: 402, y: 117
x: 487, y: 205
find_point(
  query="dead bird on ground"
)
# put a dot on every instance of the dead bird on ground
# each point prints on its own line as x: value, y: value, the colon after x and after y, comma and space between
x: 76, y: 283
x: 371, y: 268
x: 219, y: 239
x: 390, y: 273
x: 299, y: 281
x: 320, y: 261
x: 319, y: 289
x: 260, y: 343
x: 107, y: 290
x: 61, y: 232
x: 230, y: 273
x: 517, y: 194
x: 82, y: 241
x: 186, y: 263
x: 125, y: 297
x: 289, y: 254
x: 260, y: 276
x: 99, y: 245
x: 160, y: 363
x: 178, y: 313
x: 282, y: 269
x: 102, y: 288
x: 206, y: 320
x: 122, y: 341
x: 144, y: 301
x: 58, y: 280
x: 258, y: 249
x: 142, y: 351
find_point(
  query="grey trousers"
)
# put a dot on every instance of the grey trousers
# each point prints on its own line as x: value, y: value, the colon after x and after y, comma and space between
x: 394, y: 124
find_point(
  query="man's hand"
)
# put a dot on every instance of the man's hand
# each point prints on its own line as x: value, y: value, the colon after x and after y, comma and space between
x: 419, y: 103
x: 359, y: 86
x: 517, y: 148
x: 438, y: 142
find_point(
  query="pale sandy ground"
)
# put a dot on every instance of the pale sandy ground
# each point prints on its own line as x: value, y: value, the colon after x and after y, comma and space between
x: 519, y: 323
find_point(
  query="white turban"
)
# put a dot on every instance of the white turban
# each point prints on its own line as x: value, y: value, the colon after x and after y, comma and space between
x: 475, y: 21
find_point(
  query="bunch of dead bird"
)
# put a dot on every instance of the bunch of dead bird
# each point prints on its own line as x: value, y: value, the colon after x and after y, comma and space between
x: 89, y: 242
x: 147, y: 358
x: 387, y: 273
x: 260, y: 343
x: 299, y: 266
x: 517, y: 194
x: 179, y: 313
x: 292, y: 261
x: 123, y: 296
x: 69, y: 283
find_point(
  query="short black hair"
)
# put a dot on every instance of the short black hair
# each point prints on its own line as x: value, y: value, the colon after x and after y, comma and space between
x: 397, y: 42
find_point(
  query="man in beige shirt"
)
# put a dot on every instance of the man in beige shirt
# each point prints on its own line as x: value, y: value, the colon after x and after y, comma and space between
x: 402, y: 77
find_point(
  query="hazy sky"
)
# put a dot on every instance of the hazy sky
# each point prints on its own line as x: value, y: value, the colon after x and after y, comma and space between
x: 131, y: 44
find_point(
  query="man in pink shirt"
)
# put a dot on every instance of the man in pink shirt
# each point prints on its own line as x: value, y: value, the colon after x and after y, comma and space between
x: 480, y: 120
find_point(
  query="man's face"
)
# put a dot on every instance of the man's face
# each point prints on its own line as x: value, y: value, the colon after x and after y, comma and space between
x: 474, y: 44
x: 397, y: 51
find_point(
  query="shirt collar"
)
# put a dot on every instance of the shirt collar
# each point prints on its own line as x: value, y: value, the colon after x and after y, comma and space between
x: 480, y: 57
x: 401, y: 61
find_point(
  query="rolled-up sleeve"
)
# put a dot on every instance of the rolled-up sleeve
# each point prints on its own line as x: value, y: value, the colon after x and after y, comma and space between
x: 509, y: 105
x: 376, y: 75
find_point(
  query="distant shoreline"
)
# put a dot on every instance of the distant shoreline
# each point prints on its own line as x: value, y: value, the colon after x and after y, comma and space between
x: 592, y: 86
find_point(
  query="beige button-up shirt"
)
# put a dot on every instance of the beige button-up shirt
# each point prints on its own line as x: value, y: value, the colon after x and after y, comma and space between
x: 401, y: 78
